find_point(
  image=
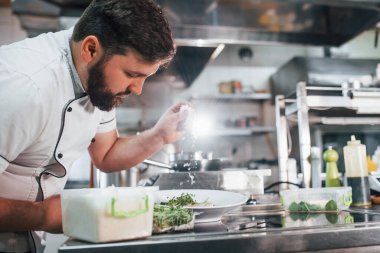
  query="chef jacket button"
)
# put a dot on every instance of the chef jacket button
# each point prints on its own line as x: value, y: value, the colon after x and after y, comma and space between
x: 60, y: 155
x: 69, y: 109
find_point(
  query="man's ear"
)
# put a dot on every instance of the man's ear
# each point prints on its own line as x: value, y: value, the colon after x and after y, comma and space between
x: 90, y: 49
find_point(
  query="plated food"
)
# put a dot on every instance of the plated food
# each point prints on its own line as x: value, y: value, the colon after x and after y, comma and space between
x: 172, y: 216
x: 187, y: 200
x: 208, y: 206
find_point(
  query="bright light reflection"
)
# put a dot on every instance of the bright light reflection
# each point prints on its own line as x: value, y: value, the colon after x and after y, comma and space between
x: 202, y: 126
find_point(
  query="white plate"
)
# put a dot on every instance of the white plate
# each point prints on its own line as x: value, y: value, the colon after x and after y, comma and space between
x: 222, y: 201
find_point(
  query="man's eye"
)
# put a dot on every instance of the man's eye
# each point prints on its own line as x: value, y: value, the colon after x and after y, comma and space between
x: 130, y: 75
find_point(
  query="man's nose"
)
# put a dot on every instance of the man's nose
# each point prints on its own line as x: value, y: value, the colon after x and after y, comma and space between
x: 138, y: 86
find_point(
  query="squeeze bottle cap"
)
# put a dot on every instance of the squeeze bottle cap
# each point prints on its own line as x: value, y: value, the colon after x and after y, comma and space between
x: 353, y: 141
x: 330, y: 155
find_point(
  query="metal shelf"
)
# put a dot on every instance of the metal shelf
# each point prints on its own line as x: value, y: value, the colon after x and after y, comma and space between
x: 237, y: 96
x: 243, y: 131
x: 327, y: 106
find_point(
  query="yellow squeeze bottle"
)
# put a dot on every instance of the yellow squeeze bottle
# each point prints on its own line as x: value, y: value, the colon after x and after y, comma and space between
x: 330, y: 156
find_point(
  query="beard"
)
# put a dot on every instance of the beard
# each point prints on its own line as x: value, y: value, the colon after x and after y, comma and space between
x: 100, y: 95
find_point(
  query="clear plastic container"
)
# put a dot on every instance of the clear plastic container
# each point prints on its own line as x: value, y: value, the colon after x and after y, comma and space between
x: 297, y: 220
x: 105, y: 215
x: 318, y: 198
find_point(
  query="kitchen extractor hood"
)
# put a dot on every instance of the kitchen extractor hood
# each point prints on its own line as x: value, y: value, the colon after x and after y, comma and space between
x: 310, y: 22
x: 307, y: 22
x: 188, y: 63
x: 203, y: 25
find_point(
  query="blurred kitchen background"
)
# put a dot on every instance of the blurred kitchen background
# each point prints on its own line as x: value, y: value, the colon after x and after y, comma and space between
x: 234, y: 57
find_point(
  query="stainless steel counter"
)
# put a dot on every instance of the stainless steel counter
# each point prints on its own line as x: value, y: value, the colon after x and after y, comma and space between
x: 279, y: 233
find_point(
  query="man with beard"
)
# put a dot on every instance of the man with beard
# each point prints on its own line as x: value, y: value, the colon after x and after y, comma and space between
x: 58, y: 94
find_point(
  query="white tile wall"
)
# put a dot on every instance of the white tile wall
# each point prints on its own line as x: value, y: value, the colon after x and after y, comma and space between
x: 362, y: 46
x: 10, y: 29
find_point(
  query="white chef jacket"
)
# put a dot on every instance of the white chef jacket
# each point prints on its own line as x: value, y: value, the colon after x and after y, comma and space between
x: 46, y: 122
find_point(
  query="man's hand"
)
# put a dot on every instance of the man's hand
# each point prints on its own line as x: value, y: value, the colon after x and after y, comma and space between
x: 168, y: 127
x: 19, y: 216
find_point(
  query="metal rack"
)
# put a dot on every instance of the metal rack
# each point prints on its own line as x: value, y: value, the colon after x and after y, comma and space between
x: 362, y: 103
x: 258, y: 98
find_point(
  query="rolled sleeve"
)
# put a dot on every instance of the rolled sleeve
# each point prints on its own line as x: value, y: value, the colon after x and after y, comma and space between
x: 3, y: 164
x: 108, y: 122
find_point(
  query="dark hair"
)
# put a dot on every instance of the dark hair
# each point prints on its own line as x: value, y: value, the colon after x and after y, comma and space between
x: 123, y: 24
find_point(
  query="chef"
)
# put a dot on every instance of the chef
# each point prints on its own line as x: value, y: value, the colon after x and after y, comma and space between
x: 58, y: 94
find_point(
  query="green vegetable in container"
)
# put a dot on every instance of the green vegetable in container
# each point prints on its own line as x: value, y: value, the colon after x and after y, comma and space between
x: 332, y: 217
x: 167, y: 216
x: 299, y: 216
x: 315, y: 208
x: 293, y: 207
x: 331, y: 206
x: 304, y: 207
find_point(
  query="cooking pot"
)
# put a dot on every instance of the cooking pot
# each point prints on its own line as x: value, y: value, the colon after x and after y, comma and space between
x: 187, y: 161
x: 191, y: 161
x: 196, y: 161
